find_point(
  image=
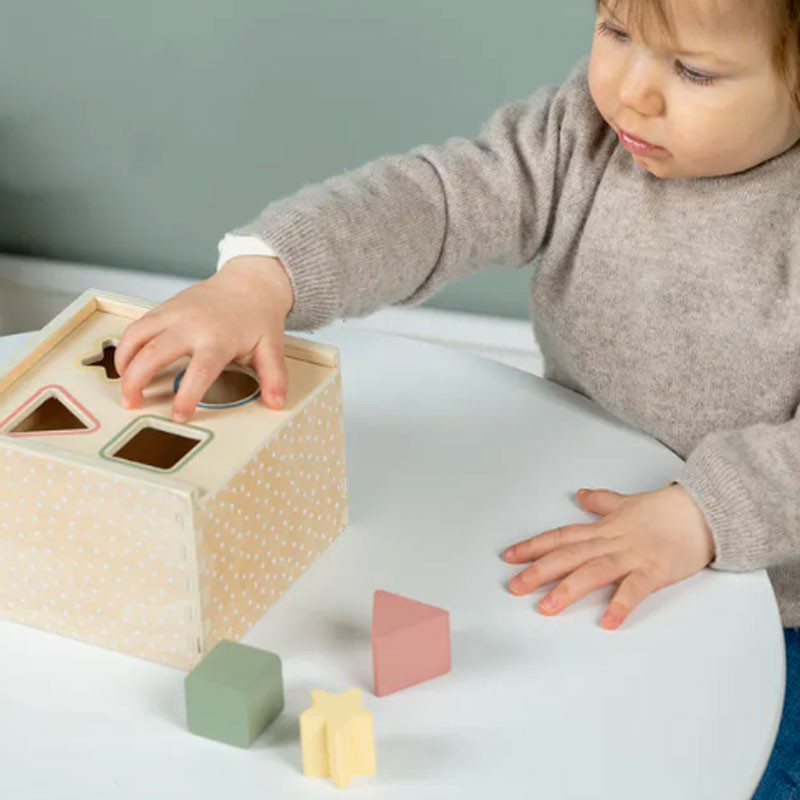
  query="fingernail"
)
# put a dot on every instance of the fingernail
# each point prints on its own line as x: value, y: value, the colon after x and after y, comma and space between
x: 508, y: 553
x: 549, y: 603
x: 180, y: 418
x: 613, y: 617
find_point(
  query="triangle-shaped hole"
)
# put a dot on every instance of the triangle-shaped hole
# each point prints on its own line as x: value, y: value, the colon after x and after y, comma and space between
x: 51, y: 416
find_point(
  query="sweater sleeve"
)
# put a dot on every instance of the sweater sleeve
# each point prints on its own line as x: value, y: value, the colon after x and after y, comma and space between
x: 746, y: 482
x: 395, y: 229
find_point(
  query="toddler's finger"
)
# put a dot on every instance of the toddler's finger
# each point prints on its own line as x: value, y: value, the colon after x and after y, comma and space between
x: 565, y: 560
x: 632, y: 590
x: 156, y: 354
x: 204, y: 368
x: 269, y: 363
x: 136, y: 335
x: 544, y: 542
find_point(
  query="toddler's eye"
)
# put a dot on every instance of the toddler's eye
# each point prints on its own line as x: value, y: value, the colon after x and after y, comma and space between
x: 697, y: 78
x: 604, y: 29
x: 693, y: 76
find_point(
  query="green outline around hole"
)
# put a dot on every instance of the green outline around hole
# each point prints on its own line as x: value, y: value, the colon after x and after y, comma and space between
x: 173, y: 425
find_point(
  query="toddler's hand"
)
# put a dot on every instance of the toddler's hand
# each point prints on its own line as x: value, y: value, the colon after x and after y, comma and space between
x: 644, y: 541
x: 237, y: 314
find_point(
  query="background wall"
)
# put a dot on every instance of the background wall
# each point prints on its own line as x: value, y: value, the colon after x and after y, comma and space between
x: 135, y: 134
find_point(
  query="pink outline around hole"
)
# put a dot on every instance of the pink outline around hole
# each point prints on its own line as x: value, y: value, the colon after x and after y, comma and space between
x: 70, y: 397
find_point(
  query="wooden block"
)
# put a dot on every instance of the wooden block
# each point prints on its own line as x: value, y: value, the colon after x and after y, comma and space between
x: 337, y: 737
x: 234, y: 693
x: 149, y: 537
x: 410, y: 642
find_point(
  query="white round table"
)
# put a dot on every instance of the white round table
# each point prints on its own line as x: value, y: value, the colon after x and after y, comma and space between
x: 450, y: 458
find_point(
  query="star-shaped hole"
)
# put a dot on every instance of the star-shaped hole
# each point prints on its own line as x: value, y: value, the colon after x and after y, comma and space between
x: 104, y: 359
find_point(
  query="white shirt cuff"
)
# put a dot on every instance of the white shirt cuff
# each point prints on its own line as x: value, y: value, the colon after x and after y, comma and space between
x: 233, y: 245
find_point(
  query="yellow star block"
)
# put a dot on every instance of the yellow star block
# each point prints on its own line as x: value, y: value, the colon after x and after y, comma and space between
x: 337, y: 737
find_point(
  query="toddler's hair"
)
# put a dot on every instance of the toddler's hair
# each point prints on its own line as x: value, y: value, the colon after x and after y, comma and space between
x: 782, y: 16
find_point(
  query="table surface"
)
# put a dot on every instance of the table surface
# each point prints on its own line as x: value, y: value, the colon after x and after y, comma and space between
x: 450, y: 458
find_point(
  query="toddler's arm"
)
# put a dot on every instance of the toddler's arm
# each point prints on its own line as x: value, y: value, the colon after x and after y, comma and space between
x: 395, y: 229
x: 745, y: 481
x: 391, y: 231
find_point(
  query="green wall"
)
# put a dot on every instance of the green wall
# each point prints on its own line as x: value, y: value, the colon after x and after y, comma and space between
x: 134, y: 134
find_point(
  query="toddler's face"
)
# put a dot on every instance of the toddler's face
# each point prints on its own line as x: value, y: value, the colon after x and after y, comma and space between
x: 719, y: 111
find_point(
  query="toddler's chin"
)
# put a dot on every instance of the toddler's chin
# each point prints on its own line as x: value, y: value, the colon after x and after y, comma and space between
x: 656, y: 167
x: 645, y: 163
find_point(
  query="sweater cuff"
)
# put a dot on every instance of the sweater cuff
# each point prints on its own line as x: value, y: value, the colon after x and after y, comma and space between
x: 234, y: 246
x: 315, y: 281
x: 740, y: 533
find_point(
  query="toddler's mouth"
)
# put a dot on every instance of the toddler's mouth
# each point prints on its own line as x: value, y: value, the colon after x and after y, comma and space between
x: 638, y: 146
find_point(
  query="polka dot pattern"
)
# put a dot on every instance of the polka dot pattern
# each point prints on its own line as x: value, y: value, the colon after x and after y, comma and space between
x: 128, y: 565
x: 93, y: 556
x: 272, y: 520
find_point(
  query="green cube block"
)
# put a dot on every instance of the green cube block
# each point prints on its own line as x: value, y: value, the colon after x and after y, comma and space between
x: 234, y: 693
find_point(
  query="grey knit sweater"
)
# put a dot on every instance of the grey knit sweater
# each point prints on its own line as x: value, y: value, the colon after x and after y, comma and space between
x: 674, y: 304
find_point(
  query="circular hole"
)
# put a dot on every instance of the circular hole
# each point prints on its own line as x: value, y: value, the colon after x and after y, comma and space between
x: 234, y: 387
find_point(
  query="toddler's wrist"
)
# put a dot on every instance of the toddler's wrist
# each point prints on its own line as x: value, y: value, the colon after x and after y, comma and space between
x: 262, y: 272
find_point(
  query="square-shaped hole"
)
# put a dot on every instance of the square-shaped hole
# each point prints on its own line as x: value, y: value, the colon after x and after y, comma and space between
x: 157, y: 444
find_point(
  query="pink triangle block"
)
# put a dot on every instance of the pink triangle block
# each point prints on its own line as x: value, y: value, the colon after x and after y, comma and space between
x: 410, y: 642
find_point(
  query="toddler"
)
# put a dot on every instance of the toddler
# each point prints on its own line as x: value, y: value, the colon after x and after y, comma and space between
x: 659, y: 185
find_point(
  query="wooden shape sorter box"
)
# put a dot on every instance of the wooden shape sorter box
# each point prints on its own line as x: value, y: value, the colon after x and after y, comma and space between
x: 127, y: 530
